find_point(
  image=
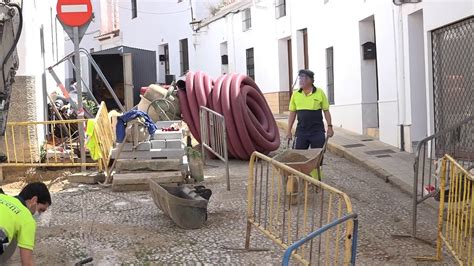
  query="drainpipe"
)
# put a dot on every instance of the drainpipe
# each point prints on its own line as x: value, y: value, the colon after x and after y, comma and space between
x: 400, y: 72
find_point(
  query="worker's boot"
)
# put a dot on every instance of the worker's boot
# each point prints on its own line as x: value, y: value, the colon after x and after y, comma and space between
x: 318, y: 176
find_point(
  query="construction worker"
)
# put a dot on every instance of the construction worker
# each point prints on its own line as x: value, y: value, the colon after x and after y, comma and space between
x: 17, y: 221
x: 308, y: 104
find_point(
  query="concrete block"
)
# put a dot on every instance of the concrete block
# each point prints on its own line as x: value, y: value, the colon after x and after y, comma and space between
x: 164, y: 135
x: 87, y: 178
x: 137, y: 178
x: 148, y: 165
x: 158, y: 144
x: 124, y: 188
x: 162, y: 124
x: 139, y: 181
x: 152, y: 154
x: 174, y: 144
x: 144, y: 146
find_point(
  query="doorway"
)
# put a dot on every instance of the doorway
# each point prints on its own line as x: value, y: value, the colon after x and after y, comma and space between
x: 285, y: 65
x: 369, y: 77
x: 164, y: 65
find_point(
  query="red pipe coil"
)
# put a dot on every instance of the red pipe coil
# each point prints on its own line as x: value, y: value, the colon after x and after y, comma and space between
x: 249, y: 121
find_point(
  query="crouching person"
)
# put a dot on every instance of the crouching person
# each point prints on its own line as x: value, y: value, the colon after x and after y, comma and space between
x: 17, y: 221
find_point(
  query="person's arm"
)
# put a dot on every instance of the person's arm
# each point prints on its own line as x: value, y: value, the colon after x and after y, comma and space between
x: 26, y: 240
x: 327, y: 116
x: 26, y: 257
x: 291, y: 121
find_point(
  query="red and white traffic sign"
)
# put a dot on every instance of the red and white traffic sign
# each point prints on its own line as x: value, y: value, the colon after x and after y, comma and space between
x: 74, y: 13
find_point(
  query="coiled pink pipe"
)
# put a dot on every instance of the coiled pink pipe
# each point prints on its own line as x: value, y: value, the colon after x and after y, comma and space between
x: 249, y: 121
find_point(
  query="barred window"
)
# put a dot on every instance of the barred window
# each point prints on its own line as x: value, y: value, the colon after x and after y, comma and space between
x: 246, y: 20
x: 250, y: 63
x: 280, y: 8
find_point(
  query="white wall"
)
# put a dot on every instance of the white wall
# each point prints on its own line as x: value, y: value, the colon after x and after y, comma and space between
x: 155, y: 18
x: 334, y: 24
x: 32, y: 61
x: 416, y: 77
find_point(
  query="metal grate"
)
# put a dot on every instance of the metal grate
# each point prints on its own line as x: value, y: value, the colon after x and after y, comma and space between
x: 453, y: 86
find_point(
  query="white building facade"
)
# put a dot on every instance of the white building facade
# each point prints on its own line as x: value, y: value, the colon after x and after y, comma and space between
x: 388, y: 94
x: 373, y: 58
x: 160, y: 26
x: 40, y: 45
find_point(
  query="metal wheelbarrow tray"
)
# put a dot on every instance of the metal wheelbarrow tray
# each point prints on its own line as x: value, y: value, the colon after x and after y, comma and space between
x: 182, y: 204
x: 301, y: 160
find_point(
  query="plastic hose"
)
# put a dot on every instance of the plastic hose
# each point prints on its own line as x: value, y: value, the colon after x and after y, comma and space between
x: 249, y: 121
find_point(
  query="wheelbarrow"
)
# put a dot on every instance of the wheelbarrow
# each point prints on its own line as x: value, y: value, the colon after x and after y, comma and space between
x: 304, y: 161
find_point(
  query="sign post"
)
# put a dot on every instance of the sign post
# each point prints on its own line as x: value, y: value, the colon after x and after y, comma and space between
x: 75, y: 16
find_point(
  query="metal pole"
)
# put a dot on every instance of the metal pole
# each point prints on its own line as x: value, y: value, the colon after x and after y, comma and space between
x: 80, y: 109
x: 88, y: 91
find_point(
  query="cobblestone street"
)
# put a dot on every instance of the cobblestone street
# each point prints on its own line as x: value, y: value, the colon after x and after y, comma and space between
x: 116, y: 228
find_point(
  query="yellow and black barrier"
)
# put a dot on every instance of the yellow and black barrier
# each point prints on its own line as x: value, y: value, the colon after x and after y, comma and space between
x: 286, y: 216
x: 456, y: 213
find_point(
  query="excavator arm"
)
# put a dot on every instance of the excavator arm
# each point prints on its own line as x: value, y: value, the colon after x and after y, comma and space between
x: 11, y: 23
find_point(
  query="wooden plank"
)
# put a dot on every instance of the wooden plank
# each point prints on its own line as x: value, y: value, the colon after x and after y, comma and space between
x: 153, y: 153
x: 123, y: 188
x: 128, y: 80
x: 142, y: 178
x: 150, y: 165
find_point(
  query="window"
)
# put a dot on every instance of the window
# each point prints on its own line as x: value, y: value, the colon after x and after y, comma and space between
x: 250, y: 63
x: 330, y: 73
x: 280, y: 8
x: 42, y: 41
x: 134, y: 9
x: 184, y: 56
x: 166, y: 52
x: 246, y: 20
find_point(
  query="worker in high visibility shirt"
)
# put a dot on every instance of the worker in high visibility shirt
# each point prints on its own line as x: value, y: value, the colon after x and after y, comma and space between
x: 17, y: 221
x: 308, y: 104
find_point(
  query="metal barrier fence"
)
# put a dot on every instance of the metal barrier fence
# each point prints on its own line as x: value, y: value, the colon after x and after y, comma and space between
x: 60, y: 149
x: 453, y: 141
x: 104, y: 131
x: 455, y: 230
x: 320, y: 231
x: 214, y: 137
x: 286, y: 214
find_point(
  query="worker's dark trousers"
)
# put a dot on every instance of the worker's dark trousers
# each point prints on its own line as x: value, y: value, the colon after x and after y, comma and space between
x: 313, y: 140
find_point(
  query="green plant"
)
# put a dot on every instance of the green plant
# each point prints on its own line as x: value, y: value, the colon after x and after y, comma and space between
x: 43, y: 152
x: 192, y: 153
x: 90, y: 105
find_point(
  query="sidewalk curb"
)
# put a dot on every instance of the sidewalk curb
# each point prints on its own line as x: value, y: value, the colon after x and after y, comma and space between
x: 347, y: 154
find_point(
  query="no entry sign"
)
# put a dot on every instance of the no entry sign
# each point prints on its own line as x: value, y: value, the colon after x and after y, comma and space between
x: 74, y: 13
